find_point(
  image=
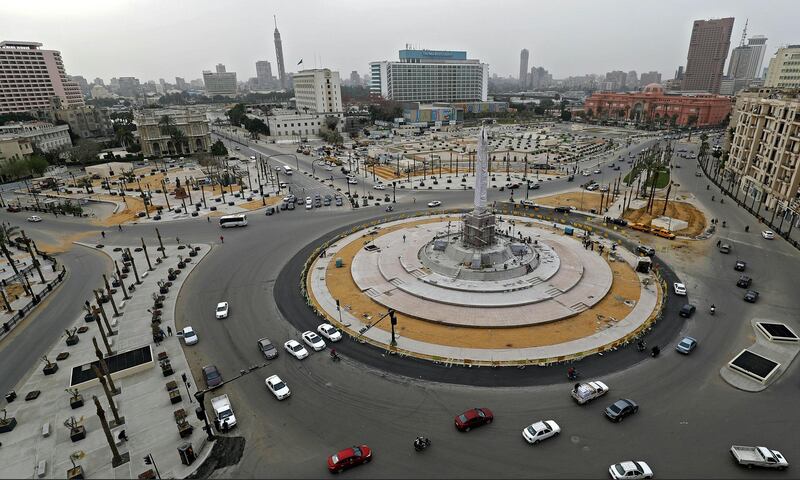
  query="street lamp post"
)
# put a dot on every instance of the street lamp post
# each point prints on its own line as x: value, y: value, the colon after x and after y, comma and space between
x: 394, y: 192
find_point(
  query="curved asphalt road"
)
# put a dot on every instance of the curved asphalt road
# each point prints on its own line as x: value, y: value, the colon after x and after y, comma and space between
x: 688, y: 417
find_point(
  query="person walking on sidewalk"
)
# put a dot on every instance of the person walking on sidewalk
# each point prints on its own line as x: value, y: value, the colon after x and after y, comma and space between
x: 222, y: 239
x: 169, y: 331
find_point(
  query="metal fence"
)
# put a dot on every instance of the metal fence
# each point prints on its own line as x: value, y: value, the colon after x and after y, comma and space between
x: 35, y: 300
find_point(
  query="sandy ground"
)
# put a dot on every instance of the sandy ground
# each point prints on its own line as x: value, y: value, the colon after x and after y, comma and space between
x: 256, y: 204
x: 584, y: 201
x: 680, y: 210
x: 65, y: 242
x: 625, y: 287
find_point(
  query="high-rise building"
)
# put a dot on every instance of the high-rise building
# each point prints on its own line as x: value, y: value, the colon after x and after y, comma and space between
x: 99, y: 81
x: 30, y: 77
x: 318, y: 91
x: 540, y: 78
x: 430, y: 76
x: 180, y: 84
x: 784, y: 68
x: 82, y: 83
x: 650, y: 77
x: 220, y: 68
x: 764, y: 156
x: 279, y: 55
x: 708, y: 50
x: 758, y: 44
x: 679, y: 73
x: 129, y: 87
x: 263, y: 74
x: 632, y: 80
x: 617, y: 78
x: 355, y: 78
x: 523, y: 69
x: 162, y: 85
x: 220, y: 83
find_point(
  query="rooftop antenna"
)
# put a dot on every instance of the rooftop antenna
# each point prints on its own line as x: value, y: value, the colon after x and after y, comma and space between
x: 744, y: 33
x: 275, y: 19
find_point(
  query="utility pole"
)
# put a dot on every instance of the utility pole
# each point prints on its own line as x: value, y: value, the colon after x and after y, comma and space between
x: 163, y: 250
x: 33, y: 257
x: 103, y: 312
x: 109, y: 352
x: 146, y: 255
x: 104, y: 368
x: 121, y: 282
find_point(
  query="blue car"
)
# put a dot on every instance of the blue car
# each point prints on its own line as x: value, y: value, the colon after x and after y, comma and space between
x: 686, y: 345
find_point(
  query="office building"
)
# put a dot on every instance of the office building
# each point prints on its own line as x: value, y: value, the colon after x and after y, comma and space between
x: 318, y: 91
x: 99, y: 81
x: 180, y: 84
x: 784, y: 68
x: 99, y: 91
x: 30, y: 77
x: 298, y: 125
x: 82, y: 84
x: 355, y: 79
x: 154, y: 142
x: 220, y: 68
x: 220, y: 83
x: 653, y: 104
x: 617, y: 79
x: 129, y: 87
x: 632, y: 80
x: 764, y: 155
x: 46, y: 136
x: 540, y: 78
x: 708, y: 50
x: 650, y: 77
x: 430, y: 76
x: 279, y: 55
x: 264, y: 77
x: 523, y: 69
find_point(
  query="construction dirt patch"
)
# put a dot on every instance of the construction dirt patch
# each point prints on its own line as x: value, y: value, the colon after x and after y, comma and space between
x: 256, y: 204
x: 65, y: 242
x: 584, y: 201
x: 610, y: 309
x: 679, y: 210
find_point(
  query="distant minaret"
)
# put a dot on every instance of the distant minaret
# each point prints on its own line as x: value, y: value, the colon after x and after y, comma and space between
x: 279, y: 54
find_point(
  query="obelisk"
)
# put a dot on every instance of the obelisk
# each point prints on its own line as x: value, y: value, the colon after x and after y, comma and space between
x: 479, y: 223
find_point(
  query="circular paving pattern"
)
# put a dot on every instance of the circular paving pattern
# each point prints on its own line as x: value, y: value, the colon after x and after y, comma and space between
x: 536, y: 293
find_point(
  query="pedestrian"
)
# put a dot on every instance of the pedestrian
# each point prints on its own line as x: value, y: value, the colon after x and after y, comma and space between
x: 177, y: 240
x: 719, y: 242
x: 119, y: 226
x: 404, y: 239
x: 222, y: 239
x: 161, y: 330
x: 103, y: 233
x: 123, y: 436
x: 208, y: 218
x: 169, y: 331
x: 414, y: 199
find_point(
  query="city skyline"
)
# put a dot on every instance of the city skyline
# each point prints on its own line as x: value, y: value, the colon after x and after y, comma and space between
x: 74, y: 31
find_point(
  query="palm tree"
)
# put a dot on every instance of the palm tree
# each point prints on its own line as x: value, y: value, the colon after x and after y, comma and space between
x: 6, y: 232
x: 166, y: 124
x: 178, y: 139
x: 123, y: 135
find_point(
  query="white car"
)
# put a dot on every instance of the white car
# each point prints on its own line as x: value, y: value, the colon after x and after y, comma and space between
x: 597, y: 171
x: 585, y: 173
x: 330, y: 332
x: 540, y: 430
x: 352, y: 181
x: 34, y: 218
x: 189, y: 336
x: 309, y: 205
x: 435, y: 203
x: 252, y: 157
x: 313, y: 340
x: 277, y: 387
x: 630, y: 470
x: 768, y: 234
x: 679, y: 288
x: 379, y: 186
x: 222, y: 310
x: 295, y: 349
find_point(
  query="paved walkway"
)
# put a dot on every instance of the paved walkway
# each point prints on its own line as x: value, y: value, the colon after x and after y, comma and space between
x: 143, y: 401
x: 599, y: 341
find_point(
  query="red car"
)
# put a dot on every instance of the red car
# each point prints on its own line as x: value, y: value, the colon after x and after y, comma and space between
x: 349, y: 457
x: 473, y: 418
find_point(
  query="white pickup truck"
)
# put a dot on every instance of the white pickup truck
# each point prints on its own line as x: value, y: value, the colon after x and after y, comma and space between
x: 758, y: 457
x: 588, y: 391
x: 223, y: 412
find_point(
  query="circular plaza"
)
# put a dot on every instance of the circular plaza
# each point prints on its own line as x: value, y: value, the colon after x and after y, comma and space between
x: 482, y: 289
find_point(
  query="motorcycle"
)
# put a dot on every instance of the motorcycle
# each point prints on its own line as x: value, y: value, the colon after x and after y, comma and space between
x: 421, y: 443
x: 747, y: 228
x: 572, y: 374
x: 641, y: 346
x: 335, y: 356
x: 655, y: 351
x: 389, y: 208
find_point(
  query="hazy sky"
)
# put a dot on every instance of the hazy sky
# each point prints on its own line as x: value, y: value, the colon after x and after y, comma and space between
x: 153, y: 39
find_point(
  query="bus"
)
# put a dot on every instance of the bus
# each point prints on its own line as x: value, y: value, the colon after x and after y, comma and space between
x: 238, y: 220
x: 287, y: 170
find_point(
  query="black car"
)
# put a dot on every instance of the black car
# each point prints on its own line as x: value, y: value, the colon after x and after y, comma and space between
x: 270, y: 210
x: 267, y: 348
x: 744, y: 281
x: 751, y: 296
x: 687, y: 310
x: 562, y: 209
x: 211, y: 376
x: 619, y: 221
x: 621, y: 409
x: 740, y: 266
x: 645, y: 250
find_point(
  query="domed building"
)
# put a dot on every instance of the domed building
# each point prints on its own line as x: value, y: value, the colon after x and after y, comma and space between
x: 654, y: 104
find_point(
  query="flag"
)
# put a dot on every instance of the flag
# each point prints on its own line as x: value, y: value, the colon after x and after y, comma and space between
x: 301, y: 61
